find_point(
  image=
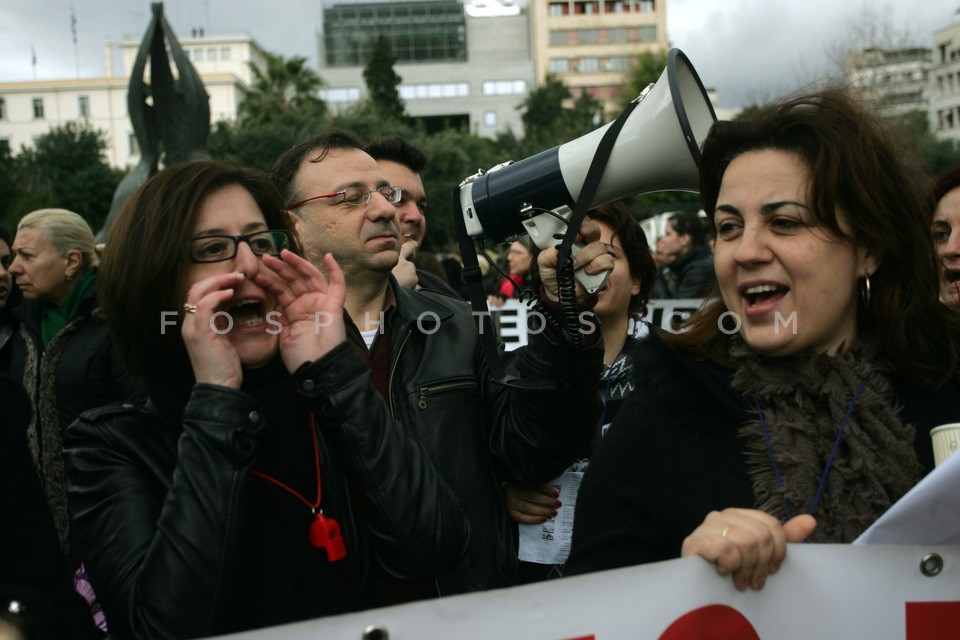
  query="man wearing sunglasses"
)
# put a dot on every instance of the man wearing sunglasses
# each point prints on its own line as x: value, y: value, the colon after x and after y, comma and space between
x: 427, y: 370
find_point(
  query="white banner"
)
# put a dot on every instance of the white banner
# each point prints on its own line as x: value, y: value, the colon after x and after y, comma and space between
x: 513, y: 320
x: 875, y: 592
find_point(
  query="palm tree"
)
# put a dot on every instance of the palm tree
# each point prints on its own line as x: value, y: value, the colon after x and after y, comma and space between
x: 282, y: 86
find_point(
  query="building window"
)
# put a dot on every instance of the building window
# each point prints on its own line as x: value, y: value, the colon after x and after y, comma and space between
x: 646, y: 6
x: 588, y: 36
x: 133, y: 146
x: 558, y: 9
x: 3, y: 109
x: 346, y: 94
x: 504, y: 88
x: 558, y: 38
x: 198, y: 55
x: 648, y: 33
x: 434, y: 90
x: 588, y: 65
x: 83, y: 106
x: 617, y: 35
x: 490, y: 119
x: 212, y: 53
x: 38, y: 108
x: 224, y: 53
x: 561, y: 65
x: 618, y: 63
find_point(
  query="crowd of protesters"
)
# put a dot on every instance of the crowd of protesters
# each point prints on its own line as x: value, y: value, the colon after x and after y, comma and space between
x: 264, y: 401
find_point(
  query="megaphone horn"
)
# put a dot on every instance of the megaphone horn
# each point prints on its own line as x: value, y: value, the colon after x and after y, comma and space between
x: 658, y: 149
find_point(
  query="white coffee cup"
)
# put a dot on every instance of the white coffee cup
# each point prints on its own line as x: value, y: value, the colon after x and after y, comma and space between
x: 946, y: 441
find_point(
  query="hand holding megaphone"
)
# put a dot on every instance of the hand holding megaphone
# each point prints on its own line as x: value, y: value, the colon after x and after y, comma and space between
x: 592, y: 262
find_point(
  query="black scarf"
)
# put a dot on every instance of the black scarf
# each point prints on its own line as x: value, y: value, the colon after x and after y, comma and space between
x: 804, y: 399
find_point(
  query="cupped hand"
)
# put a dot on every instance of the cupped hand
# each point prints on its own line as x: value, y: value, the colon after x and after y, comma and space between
x: 311, y: 305
x: 531, y: 505
x: 593, y: 257
x: 747, y: 543
x: 213, y: 358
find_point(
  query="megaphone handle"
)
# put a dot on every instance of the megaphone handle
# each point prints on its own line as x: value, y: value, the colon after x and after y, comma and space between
x: 546, y: 230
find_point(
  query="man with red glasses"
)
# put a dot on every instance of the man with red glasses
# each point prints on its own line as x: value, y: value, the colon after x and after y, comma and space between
x: 428, y: 372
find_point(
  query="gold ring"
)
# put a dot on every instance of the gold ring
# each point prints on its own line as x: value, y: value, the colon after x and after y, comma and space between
x: 190, y: 308
x: 726, y: 530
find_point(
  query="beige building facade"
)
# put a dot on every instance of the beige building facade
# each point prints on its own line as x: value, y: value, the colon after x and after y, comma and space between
x: 591, y: 44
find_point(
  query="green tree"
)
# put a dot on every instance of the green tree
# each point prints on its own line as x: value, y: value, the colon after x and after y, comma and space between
x: 67, y: 168
x: 382, y: 81
x: 283, y: 86
x: 551, y: 117
x: 647, y: 70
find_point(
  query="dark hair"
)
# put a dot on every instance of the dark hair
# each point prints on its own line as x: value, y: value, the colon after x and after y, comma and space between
x: 396, y: 149
x: 635, y: 248
x: 5, y: 235
x: 689, y: 223
x: 942, y: 184
x: 285, y: 169
x: 144, y: 265
x: 856, y: 169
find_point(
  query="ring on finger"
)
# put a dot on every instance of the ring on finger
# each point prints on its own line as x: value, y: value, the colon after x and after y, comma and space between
x: 724, y: 532
x: 190, y: 308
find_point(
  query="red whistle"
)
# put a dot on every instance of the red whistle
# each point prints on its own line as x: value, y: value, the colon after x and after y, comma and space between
x: 325, y: 533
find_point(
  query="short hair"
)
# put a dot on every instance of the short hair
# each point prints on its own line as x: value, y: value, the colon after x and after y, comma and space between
x: 857, y: 169
x: 635, y: 248
x: 66, y: 231
x: 285, y: 168
x: 689, y: 223
x: 144, y: 265
x: 396, y: 149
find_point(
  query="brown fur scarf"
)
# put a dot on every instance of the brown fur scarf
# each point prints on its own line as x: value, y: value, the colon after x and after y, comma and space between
x: 804, y: 399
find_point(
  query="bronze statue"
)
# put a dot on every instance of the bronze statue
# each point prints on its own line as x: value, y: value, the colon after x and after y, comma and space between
x: 169, y: 115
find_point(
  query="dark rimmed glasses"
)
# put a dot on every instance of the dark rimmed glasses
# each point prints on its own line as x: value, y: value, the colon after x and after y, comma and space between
x: 219, y: 248
x: 356, y: 196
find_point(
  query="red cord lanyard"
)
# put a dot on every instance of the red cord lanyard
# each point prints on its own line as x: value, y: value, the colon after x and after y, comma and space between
x: 324, y: 532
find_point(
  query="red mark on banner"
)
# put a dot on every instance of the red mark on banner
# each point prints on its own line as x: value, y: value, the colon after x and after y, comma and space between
x: 590, y: 637
x: 933, y: 620
x: 713, y: 622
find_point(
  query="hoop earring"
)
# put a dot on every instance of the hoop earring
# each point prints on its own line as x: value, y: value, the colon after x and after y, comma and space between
x: 865, y: 291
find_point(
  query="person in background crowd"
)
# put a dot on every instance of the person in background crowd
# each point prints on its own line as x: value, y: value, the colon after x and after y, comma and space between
x: 520, y: 261
x: 64, y: 352
x: 402, y: 163
x: 427, y: 363
x: 37, y: 597
x: 690, y: 274
x: 663, y: 260
x: 9, y: 298
x: 806, y: 432
x: 255, y: 487
x: 625, y: 294
x: 943, y: 200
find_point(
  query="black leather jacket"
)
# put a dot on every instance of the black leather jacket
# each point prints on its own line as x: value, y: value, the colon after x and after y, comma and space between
x: 171, y: 522
x: 480, y: 433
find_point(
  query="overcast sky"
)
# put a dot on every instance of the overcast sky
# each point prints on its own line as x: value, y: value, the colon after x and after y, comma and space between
x: 748, y: 50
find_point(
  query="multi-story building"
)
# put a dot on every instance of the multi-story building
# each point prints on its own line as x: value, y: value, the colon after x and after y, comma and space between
x: 589, y: 44
x: 29, y: 109
x: 944, y: 93
x: 895, y: 80
x: 460, y: 63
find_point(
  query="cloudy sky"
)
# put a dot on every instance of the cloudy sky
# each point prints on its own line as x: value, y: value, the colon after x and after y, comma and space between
x: 748, y: 50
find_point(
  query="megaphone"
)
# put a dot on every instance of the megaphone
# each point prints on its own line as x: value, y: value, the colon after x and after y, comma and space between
x: 657, y: 149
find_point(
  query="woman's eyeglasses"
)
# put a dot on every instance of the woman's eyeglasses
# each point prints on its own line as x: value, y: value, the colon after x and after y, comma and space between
x: 220, y: 248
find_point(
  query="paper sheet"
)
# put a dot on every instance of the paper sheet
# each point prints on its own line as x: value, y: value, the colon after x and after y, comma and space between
x: 549, y: 543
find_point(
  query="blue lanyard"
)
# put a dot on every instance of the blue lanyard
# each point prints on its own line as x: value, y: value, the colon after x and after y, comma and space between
x: 833, y: 452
